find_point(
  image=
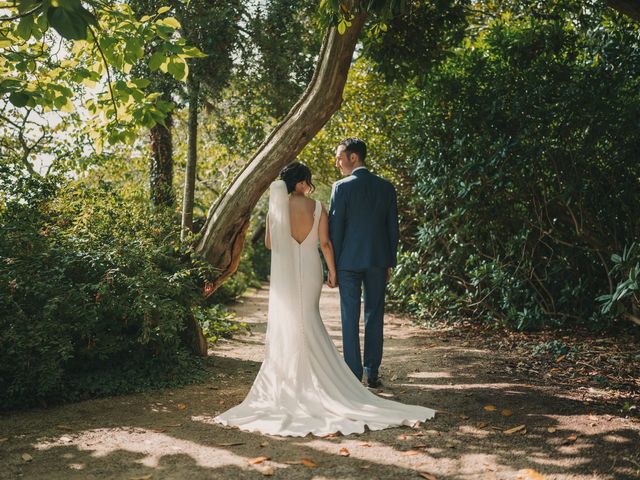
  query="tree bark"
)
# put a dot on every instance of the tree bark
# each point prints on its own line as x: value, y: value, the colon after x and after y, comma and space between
x: 161, y: 168
x: 192, y: 157
x: 630, y: 8
x: 223, y: 234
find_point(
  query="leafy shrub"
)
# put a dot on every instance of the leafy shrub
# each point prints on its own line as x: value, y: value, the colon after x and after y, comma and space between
x: 94, y: 290
x: 523, y: 159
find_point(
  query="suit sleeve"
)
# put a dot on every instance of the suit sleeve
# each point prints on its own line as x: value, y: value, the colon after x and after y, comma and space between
x: 337, y: 218
x: 392, y: 226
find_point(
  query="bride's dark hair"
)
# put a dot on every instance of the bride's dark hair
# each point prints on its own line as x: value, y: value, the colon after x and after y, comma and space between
x: 296, y: 172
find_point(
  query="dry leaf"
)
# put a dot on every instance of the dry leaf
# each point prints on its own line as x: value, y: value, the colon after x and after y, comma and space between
x: 344, y: 452
x: 490, y: 408
x: 515, y: 429
x: 409, y: 453
x: 481, y: 424
x: 307, y: 462
x: 26, y: 457
x: 230, y: 444
x: 257, y: 460
x: 142, y: 477
x: 464, y: 417
x: 560, y: 358
x: 532, y: 474
x: 451, y: 445
x: 570, y: 439
x: 182, y: 406
x: 427, y: 475
x: 267, y: 471
x: 364, y: 444
x: 506, y: 412
x: 551, y: 429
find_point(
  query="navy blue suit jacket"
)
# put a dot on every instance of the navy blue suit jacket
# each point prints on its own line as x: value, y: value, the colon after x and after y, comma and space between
x: 363, y: 222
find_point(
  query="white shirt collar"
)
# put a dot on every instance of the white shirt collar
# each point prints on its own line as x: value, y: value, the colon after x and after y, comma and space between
x: 357, y: 168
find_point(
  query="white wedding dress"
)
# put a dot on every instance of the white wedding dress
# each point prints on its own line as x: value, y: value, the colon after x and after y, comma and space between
x: 304, y: 386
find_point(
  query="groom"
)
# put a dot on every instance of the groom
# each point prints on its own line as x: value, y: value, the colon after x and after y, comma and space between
x: 363, y: 226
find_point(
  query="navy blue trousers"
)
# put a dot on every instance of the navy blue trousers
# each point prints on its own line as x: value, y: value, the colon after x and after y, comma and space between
x: 350, y: 284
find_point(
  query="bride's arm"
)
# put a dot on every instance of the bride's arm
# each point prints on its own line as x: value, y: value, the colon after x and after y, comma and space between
x: 267, y: 235
x: 327, y: 247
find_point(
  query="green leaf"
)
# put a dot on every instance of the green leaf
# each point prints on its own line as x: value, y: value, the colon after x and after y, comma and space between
x: 156, y: 60
x: 68, y: 23
x: 162, y: 10
x: 170, y: 22
x: 19, y: 99
x: 25, y: 27
x: 178, y: 68
x: 342, y: 27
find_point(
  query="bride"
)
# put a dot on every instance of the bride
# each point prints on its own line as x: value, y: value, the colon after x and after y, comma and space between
x: 304, y: 386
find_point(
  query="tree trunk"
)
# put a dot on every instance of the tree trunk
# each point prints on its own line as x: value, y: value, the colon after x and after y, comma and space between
x: 223, y: 234
x: 192, y: 157
x: 630, y: 8
x: 161, y: 168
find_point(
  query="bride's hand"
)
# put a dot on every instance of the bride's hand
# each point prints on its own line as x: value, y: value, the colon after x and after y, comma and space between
x: 332, y: 280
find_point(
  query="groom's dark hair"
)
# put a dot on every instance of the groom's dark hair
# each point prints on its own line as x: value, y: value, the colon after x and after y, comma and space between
x: 355, y: 145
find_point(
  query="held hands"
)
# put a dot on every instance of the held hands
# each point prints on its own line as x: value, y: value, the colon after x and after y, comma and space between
x: 332, y: 279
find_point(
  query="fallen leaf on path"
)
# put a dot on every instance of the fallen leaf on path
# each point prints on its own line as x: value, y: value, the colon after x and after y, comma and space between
x: 481, y: 424
x: 531, y: 474
x: 551, y: 429
x: 560, y: 358
x: 490, y: 408
x: 26, y: 457
x: 464, y: 417
x: 570, y: 439
x: 230, y: 444
x: 506, y: 412
x: 182, y: 406
x: 307, y: 462
x: 364, y: 444
x: 257, y: 460
x: 420, y: 446
x: 142, y: 477
x: 344, y: 452
x: 515, y: 429
x: 451, y: 445
x: 427, y: 475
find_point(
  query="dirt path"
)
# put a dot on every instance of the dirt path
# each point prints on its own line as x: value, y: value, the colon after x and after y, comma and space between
x: 169, y: 435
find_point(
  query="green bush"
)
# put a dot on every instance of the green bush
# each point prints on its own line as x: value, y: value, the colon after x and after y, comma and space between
x: 94, y: 290
x: 523, y: 152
